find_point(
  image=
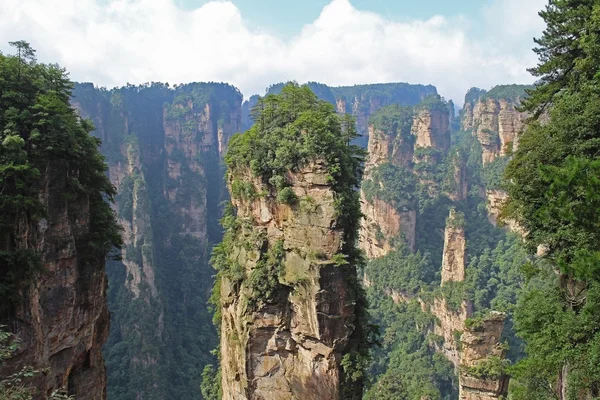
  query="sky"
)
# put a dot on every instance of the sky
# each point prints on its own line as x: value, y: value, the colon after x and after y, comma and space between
x: 452, y: 44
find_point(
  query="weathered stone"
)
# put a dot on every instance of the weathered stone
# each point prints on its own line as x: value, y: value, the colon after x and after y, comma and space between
x: 62, y: 318
x: 496, y: 124
x: 453, y: 259
x: 291, y: 347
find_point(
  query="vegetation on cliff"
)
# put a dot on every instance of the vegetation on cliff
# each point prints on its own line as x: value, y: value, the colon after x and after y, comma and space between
x: 293, y: 130
x: 41, y: 134
x: 162, y: 145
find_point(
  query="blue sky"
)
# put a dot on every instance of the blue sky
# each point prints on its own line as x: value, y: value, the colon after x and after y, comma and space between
x: 287, y: 17
x: 251, y: 44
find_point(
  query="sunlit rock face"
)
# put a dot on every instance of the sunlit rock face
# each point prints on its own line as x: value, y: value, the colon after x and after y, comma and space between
x: 290, y: 347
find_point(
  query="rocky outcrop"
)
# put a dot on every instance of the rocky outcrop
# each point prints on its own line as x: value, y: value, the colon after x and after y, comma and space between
x: 480, y: 346
x: 291, y: 346
x: 386, y: 147
x: 494, y: 120
x: 385, y: 223
x: 495, y: 202
x: 61, y: 318
x: 431, y: 128
x: 467, y: 344
x: 453, y: 258
x: 382, y: 224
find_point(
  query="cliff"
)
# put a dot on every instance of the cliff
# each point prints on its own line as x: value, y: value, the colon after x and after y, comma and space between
x: 471, y: 344
x: 493, y: 119
x: 62, y: 318
x: 288, y: 289
x: 56, y: 229
x: 164, y: 147
x: 481, y: 358
x: 398, y: 137
x: 453, y: 258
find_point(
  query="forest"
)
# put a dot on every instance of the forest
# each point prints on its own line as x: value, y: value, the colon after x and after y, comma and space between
x: 368, y: 242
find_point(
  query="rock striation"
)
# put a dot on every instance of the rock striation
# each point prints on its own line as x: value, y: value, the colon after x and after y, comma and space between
x: 61, y: 317
x: 480, y: 345
x: 494, y: 120
x: 467, y: 345
x: 290, y: 347
x: 164, y: 148
x: 392, y: 143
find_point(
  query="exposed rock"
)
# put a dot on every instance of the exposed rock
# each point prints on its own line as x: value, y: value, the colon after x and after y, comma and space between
x: 290, y: 347
x: 164, y: 147
x: 495, y: 123
x: 382, y: 224
x: 495, y: 202
x: 62, y: 318
x: 432, y: 130
x: 479, y: 343
x: 461, y: 183
x: 450, y: 326
x: 386, y: 147
x: 453, y: 258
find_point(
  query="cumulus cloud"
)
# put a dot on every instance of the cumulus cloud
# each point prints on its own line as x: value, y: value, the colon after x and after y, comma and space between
x: 112, y: 42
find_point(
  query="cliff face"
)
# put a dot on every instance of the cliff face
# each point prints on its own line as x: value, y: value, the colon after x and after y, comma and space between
x: 481, y: 344
x: 361, y: 101
x: 291, y: 347
x: 431, y: 127
x: 62, y: 317
x: 385, y: 221
x: 494, y: 120
x: 164, y: 148
x: 453, y: 259
x: 467, y: 346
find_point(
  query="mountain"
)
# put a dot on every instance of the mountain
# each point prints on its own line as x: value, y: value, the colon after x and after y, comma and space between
x: 56, y: 231
x: 291, y: 309
x: 360, y: 100
x: 163, y: 147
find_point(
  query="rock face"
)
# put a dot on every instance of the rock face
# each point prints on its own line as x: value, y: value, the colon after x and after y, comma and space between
x: 453, y: 262
x: 164, y: 147
x: 479, y: 344
x: 385, y: 222
x: 466, y: 345
x: 62, y: 318
x: 381, y: 223
x: 494, y: 120
x: 431, y: 127
x: 290, y: 347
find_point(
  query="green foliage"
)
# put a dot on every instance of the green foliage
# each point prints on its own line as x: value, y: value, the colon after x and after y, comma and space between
x: 160, y: 342
x: 18, y: 386
x: 383, y: 93
x: 394, y: 120
x: 263, y: 281
x: 211, y: 383
x: 434, y: 103
x: 43, y: 139
x: 287, y: 196
x: 492, y: 173
x: 553, y: 186
x: 512, y: 93
x: 392, y: 184
x: 473, y: 95
x: 492, y: 367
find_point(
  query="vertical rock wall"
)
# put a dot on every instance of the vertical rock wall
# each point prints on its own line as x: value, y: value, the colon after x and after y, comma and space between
x: 164, y: 148
x: 384, y: 222
x: 290, y: 347
x: 495, y: 122
x: 62, y: 317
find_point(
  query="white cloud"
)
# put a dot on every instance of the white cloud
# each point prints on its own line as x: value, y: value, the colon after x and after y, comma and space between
x: 112, y: 42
